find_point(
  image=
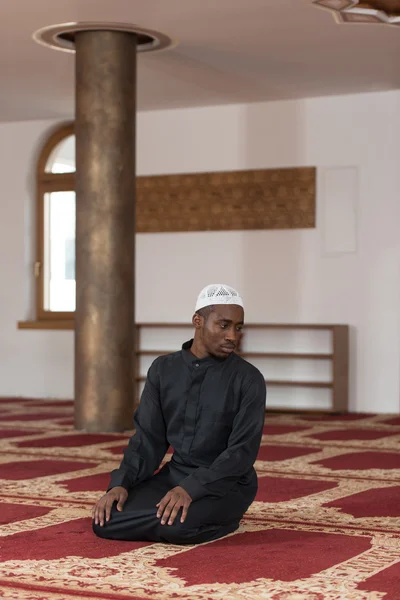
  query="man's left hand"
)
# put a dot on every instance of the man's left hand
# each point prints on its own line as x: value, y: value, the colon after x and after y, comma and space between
x: 170, y: 505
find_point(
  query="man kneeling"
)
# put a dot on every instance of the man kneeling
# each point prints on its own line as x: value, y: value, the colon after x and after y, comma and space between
x: 208, y: 404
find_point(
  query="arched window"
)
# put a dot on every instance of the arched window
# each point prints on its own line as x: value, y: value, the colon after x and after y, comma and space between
x: 55, y: 254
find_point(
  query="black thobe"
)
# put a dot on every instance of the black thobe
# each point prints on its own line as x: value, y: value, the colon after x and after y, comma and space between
x: 211, y: 412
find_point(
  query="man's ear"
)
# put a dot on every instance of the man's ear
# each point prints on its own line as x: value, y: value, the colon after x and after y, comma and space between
x: 197, y: 321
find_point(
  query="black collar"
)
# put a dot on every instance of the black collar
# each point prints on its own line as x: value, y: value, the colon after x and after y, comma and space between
x: 191, y: 359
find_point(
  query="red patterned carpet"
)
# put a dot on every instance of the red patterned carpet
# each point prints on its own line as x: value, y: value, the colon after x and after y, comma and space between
x: 325, y: 524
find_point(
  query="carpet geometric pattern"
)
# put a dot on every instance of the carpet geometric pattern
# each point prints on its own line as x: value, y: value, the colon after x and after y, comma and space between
x: 325, y: 524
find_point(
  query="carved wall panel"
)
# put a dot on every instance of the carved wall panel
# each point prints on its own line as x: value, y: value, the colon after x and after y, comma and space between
x: 233, y: 200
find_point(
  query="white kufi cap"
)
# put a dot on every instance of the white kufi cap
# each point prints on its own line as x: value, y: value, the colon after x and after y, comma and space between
x: 218, y: 293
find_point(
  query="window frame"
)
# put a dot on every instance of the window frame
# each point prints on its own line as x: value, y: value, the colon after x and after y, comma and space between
x: 48, y: 183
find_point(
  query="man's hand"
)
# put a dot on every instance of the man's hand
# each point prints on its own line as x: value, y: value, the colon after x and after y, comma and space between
x: 170, y: 505
x: 104, y: 505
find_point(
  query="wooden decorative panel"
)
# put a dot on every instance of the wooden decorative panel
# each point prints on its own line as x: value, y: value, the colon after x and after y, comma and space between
x: 233, y: 200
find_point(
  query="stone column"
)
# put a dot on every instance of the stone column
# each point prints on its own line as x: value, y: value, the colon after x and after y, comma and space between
x: 105, y: 229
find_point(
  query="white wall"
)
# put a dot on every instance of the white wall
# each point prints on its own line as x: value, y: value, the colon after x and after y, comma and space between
x: 285, y: 276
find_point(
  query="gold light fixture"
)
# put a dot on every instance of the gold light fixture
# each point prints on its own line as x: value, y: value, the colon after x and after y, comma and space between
x: 386, y: 12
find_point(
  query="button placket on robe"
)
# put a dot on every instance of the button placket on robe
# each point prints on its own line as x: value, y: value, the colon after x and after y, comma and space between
x: 198, y: 374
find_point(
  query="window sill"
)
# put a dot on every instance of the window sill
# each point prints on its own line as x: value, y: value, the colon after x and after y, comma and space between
x: 67, y: 324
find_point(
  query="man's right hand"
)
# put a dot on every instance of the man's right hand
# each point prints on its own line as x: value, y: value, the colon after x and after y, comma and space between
x: 104, y: 505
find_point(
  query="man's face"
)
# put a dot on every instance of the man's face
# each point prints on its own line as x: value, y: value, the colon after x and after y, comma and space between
x: 221, y: 331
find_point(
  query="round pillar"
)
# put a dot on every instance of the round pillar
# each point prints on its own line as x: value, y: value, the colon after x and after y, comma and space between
x: 105, y: 229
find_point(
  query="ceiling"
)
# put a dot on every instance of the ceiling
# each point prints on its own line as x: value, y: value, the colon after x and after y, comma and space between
x: 229, y: 51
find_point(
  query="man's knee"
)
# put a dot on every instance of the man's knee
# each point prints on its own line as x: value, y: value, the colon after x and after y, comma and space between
x: 178, y: 533
x: 183, y: 533
x: 99, y: 530
x: 106, y: 531
x: 128, y: 526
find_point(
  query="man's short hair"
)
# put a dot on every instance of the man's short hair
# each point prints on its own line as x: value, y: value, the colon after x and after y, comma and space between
x: 205, y: 311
